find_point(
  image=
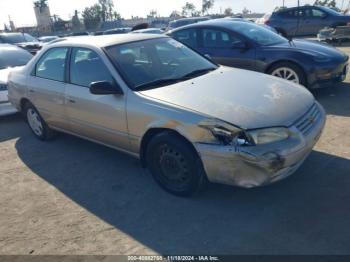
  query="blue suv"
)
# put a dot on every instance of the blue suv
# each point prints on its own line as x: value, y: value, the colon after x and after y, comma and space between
x: 305, y: 20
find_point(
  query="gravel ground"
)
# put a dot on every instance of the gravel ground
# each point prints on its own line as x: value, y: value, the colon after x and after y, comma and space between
x: 70, y: 196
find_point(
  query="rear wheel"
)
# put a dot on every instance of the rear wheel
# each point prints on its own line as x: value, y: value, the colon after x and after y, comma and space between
x: 36, y: 123
x: 175, y: 165
x: 288, y: 71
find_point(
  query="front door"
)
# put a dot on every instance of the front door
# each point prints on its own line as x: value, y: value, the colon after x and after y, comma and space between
x: 97, y: 117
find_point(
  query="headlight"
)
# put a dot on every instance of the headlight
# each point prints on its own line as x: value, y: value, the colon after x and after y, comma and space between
x: 268, y: 135
x: 222, y: 131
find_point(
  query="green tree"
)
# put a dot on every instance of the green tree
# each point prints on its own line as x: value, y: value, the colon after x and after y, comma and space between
x: 175, y: 14
x: 40, y: 3
x: 107, y: 10
x: 189, y: 10
x: 153, y: 13
x: 207, y: 5
x: 228, y: 12
x: 328, y: 3
x: 92, y: 17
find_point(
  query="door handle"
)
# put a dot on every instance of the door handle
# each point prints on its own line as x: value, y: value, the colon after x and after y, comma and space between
x: 31, y: 91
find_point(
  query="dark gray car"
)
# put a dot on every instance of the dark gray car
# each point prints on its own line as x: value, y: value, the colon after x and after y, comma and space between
x: 305, y: 20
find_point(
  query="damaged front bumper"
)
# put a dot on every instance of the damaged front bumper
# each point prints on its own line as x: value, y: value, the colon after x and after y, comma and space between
x: 252, y: 166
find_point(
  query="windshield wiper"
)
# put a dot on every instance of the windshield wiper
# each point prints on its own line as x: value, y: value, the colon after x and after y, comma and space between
x: 157, y: 83
x: 198, y: 72
x: 169, y: 81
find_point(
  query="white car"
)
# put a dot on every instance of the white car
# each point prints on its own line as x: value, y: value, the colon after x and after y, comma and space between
x: 11, y: 58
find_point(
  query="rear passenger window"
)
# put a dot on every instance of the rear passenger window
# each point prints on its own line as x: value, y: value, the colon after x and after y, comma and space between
x: 218, y: 39
x: 87, y: 67
x: 187, y: 36
x: 52, y: 64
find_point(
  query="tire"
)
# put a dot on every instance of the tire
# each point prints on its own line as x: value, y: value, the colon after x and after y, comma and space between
x: 290, y: 67
x: 36, y: 123
x: 175, y: 165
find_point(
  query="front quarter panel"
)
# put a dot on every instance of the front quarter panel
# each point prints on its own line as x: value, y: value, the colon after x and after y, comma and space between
x: 145, y: 113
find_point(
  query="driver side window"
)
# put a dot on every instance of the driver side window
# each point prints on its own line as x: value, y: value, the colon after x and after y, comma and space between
x: 87, y: 67
x: 317, y: 13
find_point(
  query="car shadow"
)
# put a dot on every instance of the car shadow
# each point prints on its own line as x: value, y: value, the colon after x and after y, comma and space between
x: 7, y: 123
x: 335, y: 99
x: 304, y: 214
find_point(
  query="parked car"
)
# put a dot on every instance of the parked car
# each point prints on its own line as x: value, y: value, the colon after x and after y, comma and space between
x: 11, y: 58
x: 263, y: 20
x: 46, y: 39
x: 186, y: 21
x: 117, y: 31
x: 305, y: 20
x: 250, y: 46
x: 148, y: 31
x: 23, y: 40
x: 186, y: 118
x: 337, y: 34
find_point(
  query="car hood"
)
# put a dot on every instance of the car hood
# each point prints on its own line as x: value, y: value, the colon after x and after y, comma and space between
x: 4, y: 73
x: 312, y: 48
x: 243, y: 98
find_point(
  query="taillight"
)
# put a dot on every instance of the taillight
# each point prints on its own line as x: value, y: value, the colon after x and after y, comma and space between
x: 267, y: 22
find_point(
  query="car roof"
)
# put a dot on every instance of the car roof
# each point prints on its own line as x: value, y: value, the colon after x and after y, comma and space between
x: 104, y: 40
x: 224, y: 23
x: 192, y: 18
x: 9, y: 47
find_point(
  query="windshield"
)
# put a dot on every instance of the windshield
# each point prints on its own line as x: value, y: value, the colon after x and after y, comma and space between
x: 258, y: 34
x: 329, y: 10
x: 11, y: 57
x: 157, y: 62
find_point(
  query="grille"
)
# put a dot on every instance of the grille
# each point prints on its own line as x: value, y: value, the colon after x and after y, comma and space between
x: 307, y: 121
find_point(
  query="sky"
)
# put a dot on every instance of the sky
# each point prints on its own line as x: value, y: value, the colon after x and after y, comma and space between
x: 22, y: 13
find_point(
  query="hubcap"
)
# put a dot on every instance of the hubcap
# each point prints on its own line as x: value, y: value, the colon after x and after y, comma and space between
x: 34, y: 122
x: 286, y: 73
x: 173, y: 167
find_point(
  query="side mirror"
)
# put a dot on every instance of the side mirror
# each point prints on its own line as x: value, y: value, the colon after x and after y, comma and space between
x: 240, y: 45
x: 105, y: 88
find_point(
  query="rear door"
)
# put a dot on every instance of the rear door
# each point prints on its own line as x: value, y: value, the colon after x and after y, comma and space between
x: 98, y: 117
x: 227, y: 48
x: 46, y: 86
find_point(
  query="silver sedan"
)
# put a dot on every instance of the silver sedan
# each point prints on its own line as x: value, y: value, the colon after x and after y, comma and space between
x: 11, y: 58
x: 187, y: 119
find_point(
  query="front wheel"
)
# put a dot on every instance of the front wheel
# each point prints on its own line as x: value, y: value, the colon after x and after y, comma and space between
x: 288, y: 71
x: 175, y: 165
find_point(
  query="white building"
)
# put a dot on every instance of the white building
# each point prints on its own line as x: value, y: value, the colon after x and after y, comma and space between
x: 43, y: 16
